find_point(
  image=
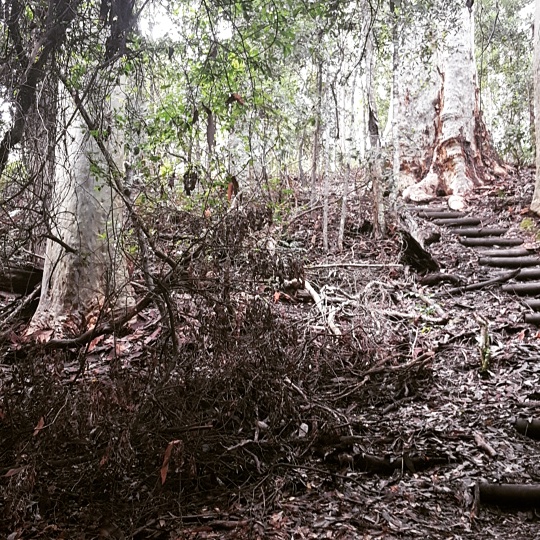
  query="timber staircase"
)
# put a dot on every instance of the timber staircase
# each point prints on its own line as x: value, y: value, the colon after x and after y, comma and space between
x: 496, y: 252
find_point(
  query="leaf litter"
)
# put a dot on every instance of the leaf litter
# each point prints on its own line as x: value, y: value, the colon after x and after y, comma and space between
x: 352, y: 408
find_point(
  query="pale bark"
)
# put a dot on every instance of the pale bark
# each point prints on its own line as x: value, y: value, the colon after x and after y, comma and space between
x: 453, y: 167
x: 326, y: 193
x: 38, y: 151
x: 535, y: 204
x: 440, y: 139
x: 375, y: 157
x: 317, y: 133
x: 396, y: 155
x: 343, y: 216
x: 85, y: 275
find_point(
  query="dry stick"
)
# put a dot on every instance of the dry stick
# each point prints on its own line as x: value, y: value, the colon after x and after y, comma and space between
x: 382, y: 367
x: 318, y: 302
x: 475, y: 286
x: 23, y: 305
x: 326, y: 195
x: 353, y: 265
x: 484, y: 342
x: 440, y: 311
x: 484, y: 445
x: 412, y: 316
x: 308, y: 211
x: 343, y: 208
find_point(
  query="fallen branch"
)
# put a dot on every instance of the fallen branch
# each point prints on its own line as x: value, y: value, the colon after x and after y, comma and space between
x: 484, y: 445
x: 353, y: 265
x: 475, y: 286
x: 431, y: 303
x: 319, y: 303
x: 413, y: 316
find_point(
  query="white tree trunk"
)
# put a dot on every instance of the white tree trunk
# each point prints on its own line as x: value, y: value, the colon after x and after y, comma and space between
x: 85, y: 275
x: 535, y: 204
x: 439, y: 110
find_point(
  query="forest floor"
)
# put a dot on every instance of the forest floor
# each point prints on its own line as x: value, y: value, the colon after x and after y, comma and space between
x: 365, y: 416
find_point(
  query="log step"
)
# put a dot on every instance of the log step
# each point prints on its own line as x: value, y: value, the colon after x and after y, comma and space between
x: 511, y: 252
x: 426, y: 208
x: 532, y: 318
x: 458, y: 222
x: 533, y: 303
x: 434, y: 214
x: 491, y: 241
x: 522, y: 289
x: 481, y: 231
x: 528, y: 273
x: 528, y: 427
x: 515, y: 495
x: 509, y: 262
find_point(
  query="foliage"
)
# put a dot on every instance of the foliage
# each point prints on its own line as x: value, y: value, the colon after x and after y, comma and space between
x: 504, y: 58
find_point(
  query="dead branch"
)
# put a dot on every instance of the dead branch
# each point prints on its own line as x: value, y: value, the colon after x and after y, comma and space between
x: 328, y: 318
x: 480, y: 285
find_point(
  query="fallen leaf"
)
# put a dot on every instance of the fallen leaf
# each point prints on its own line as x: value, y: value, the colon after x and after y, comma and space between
x: 166, y: 459
x: 13, y: 472
x: 39, y: 426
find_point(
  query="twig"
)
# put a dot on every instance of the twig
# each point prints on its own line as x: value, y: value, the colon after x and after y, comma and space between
x: 413, y: 316
x: 475, y: 286
x: 353, y: 265
x: 318, y: 302
x: 483, y: 342
x: 21, y: 307
x: 484, y: 445
x: 440, y: 311
x: 309, y: 210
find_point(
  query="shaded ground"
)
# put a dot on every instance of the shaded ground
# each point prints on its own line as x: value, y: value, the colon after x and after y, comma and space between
x: 261, y: 422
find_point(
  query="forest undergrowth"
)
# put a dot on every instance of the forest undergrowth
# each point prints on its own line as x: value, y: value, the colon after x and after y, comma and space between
x: 274, y: 413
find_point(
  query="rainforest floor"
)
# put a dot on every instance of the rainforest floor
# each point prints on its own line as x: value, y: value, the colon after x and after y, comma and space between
x: 276, y: 390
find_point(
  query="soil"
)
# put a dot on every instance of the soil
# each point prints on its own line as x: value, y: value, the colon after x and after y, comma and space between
x: 375, y: 413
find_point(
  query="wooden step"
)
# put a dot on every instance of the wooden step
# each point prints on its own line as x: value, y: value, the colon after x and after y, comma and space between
x: 522, y: 289
x: 528, y: 273
x: 511, y: 252
x: 491, y: 241
x: 532, y: 318
x: 533, y: 303
x: 431, y: 214
x: 457, y: 222
x: 477, y: 232
x: 509, y: 262
x: 426, y: 208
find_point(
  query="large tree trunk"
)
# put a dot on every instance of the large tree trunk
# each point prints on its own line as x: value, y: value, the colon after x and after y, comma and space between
x: 535, y: 204
x: 375, y: 157
x: 38, y: 151
x: 444, y: 142
x: 85, y: 275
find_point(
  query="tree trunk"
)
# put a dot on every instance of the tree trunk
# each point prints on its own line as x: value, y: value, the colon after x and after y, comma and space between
x: 394, y: 104
x: 535, y: 204
x: 38, y: 151
x: 317, y: 133
x: 450, y: 150
x: 375, y: 157
x: 85, y: 275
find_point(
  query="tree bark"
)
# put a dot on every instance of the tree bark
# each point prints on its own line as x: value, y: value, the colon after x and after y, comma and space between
x: 317, y: 133
x: 456, y: 151
x: 85, y: 274
x: 535, y: 204
x: 375, y: 157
